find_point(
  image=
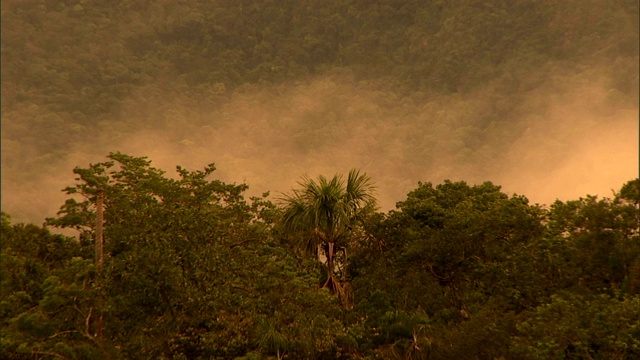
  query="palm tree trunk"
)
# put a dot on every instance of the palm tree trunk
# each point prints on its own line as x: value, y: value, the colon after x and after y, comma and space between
x: 329, y: 261
x: 332, y: 283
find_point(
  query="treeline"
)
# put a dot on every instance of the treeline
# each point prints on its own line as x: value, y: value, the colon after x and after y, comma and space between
x: 77, y: 63
x: 193, y: 270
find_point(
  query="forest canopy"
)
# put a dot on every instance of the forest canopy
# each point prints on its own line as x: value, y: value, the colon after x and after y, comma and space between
x: 194, y: 270
x: 418, y: 131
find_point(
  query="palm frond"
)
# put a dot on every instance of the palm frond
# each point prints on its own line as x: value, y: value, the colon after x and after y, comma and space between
x: 323, y: 210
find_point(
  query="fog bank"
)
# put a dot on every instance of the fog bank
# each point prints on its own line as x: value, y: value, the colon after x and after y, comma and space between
x: 566, y: 137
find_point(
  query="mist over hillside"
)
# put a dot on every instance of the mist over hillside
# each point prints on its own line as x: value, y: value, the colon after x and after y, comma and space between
x: 534, y: 98
x: 168, y: 185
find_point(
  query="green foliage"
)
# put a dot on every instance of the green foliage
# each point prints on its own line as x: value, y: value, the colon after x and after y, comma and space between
x: 193, y: 271
x: 46, y: 286
x: 323, y: 217
x: 326, y: 211
x: 460, y: 239
x: 630, y: 192
x: 480, y: 264
x: 600, y: 240
x: 571, y: 326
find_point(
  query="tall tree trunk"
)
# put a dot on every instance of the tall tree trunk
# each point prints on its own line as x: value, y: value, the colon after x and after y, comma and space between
x: 329, y: 251
x: 99, y: 326
x: 333, y: 283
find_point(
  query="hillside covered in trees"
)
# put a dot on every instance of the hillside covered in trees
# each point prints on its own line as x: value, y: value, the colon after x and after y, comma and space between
x: 391, y: 261
x: 406, y: 90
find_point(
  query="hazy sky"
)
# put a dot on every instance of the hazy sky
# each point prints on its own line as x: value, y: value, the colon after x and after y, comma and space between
x: 563, y: 139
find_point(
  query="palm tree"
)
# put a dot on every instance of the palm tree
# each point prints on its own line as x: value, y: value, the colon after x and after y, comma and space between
x: 322, y: 216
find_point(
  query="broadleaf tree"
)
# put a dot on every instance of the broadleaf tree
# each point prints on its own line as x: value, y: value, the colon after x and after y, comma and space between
x: 193, y: 271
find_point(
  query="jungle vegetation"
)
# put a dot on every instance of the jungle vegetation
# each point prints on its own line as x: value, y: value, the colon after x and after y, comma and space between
x: 194, y: 268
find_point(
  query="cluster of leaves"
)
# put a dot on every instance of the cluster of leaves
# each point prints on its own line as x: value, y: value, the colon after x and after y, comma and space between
x: 46, y: 286
x: 325, y: 214
x: 194, y: 271
x: 191, y: 271
x: 467, y: 272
